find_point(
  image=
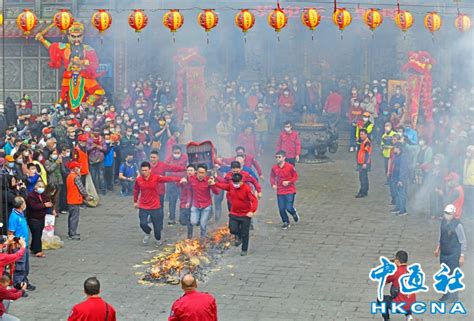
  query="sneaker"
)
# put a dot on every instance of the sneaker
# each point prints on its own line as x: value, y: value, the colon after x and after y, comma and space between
x: 285, y: 226
x: 24, y: 295
x: 171, y: 223
x: 158, y: 243
x: 243, y: 253
x: 402, y: 214
x: 74, y: 238
x: 30, y: 287
x: 444, y: 298
x: 359, y: 195
x: 409, y: 318
x: 395, y: 211
x: 296, y: 217
x: 238, y: 241
x: 64, y: 212
x: 252, y: 227
x: 146, y: 238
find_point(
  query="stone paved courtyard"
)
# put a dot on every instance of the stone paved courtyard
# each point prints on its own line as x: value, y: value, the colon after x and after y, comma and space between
x: 317, y: 270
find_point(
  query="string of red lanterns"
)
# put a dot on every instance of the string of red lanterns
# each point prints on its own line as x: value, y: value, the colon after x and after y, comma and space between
x: 245, y: 20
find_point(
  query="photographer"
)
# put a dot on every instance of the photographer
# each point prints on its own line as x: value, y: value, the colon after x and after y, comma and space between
x: 5, y: 258
x: 7, y: 295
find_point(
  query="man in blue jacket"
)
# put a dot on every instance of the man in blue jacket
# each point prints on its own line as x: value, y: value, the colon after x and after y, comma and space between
x: 399, y: 179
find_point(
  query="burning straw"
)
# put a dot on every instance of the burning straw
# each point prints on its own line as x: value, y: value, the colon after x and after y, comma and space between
x: 188, y: 256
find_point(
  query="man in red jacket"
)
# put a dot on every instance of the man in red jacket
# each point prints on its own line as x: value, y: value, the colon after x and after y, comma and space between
x: 160, y: 168
x: 94, y: 308
x: 202, y: 202
x: 283, y: 177
x: 178, y: 159
x: 243, y: 207
x: 7, y: 295
x: 401, y: 261
x: 289, y: 142
x: 145, y: 198
x: 249, y: 160
x: 193, y: 305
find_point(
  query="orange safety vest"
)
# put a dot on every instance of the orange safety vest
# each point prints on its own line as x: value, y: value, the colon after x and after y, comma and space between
x: 365, y: 147
x: 74, y: 196
x: 83, y: 159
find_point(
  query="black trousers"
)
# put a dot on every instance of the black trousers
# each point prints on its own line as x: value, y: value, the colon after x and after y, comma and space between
x: 364, y: 181
x: 156, y: 220
x: 36, y: 228
x: 292, y: 161
x: 173, y: 196
x: 240, y: 227
x: 388, y: 301
x: 62, y: 198
x: 109, y: 178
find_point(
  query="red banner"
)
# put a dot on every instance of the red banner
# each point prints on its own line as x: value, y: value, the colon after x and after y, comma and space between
x: 196, y: 94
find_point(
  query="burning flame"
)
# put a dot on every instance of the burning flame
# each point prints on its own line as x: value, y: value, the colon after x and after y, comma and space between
x: 188, y: 255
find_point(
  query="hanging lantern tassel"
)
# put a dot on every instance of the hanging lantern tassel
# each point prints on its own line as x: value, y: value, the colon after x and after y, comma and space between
x: 312, y: 35
x: 207, y: 37
x: 245, y: 37
x: 342, y: 35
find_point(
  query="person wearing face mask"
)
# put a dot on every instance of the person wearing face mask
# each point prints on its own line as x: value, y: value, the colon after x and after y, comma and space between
x: 468, y: 181
x: 286, y: 104
x: 364, y: 153
x: 387, y: 143
x: 81, y: 156
x: 364, y: 124
x: 108, y: 163
x: 333, y: 105
x: 454, y: 193
x: 175, y: 158
x: 38, y: 204
x: 52, y: 166
x: 65, y: 160
x: 9, y: 167
x: 244, y: 204
x: 452, y: 246
x: 161, y: 136
x: 423, y: 159
x: 400, y: 178
x: 289, y: 142
x: 354, y: 116
x: 127, y: 174
x: 18, y: 227
x: 13, y: 188
x: 397, y: 98
x: 283, y: 178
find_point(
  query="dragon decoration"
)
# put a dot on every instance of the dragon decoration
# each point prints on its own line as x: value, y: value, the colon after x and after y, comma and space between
x: 79, y: 86
x: 419, y: 86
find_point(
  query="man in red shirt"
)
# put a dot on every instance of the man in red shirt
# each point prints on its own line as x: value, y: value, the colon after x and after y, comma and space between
x: 249, y: 160
x: 193, y: 305
x: 401, y: 261
x: 160, y: 168
x: 243, y: 207
x: 185, y: 200
x: 178, y: 159
x: 202, y: 202
x: 289, y: 142
x: 283, y: 177
x: 145, y: 198
x: 94, y: 308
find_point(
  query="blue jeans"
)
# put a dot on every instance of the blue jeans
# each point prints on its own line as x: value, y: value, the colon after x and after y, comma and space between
x: 200, y: 216
x: 22, y: 269
x: 401, y: 200
x: 285, y: 204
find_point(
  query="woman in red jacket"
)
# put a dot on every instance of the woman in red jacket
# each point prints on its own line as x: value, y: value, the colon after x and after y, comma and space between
x: 37, y: 208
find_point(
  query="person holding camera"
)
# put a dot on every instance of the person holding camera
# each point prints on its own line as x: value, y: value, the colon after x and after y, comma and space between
x: 9, y: 258
x: 18, y: 227
x: 6, y: 295
x: 38, y: 204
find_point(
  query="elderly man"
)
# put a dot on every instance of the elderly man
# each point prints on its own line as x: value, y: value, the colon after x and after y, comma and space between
x: 193, y: 305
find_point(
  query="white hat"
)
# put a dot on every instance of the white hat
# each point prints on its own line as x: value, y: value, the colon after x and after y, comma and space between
x: 450, y: 209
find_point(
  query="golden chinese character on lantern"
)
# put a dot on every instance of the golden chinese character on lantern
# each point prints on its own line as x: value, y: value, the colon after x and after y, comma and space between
x: 341, y: 18
x: 137, y: 20
x: 432, y: 22
x: 311, y: 19
x: 462, y: 22
x: 277, y: 19
x: 245, y: 20
x: 404, y: 20
x: 101, y: 20
x: 26, y: 21
x: 208, y: 19
x: 63, y: 20
x: 373, y: 19
x: 173, y: 20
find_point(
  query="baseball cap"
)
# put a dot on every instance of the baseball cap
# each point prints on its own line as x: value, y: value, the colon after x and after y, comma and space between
x: 9, y: 158
x: 73, y: 165
x: 450, y: 209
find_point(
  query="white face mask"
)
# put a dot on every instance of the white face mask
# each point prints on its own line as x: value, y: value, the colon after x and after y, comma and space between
x: 236, y: 185
x: 87, y: 129
x: 365, y: 118
x: 40, y: 190
x: 54, y: 157
x: 287, y: 129
x: 49, y: 135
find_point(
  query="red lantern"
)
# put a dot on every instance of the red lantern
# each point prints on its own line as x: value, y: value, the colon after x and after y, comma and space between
x: 245, y: 20
x: 101, y: 20
x: 462, y: 22
x: 26, y: 21
x: 277, y: 19
x: 432, y: 22
x: 137, y: 20
x: 373, y: 18
x: 63, y: 20
x: 208, y: 19
x: 173, y: 20
x: 311, y: 19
